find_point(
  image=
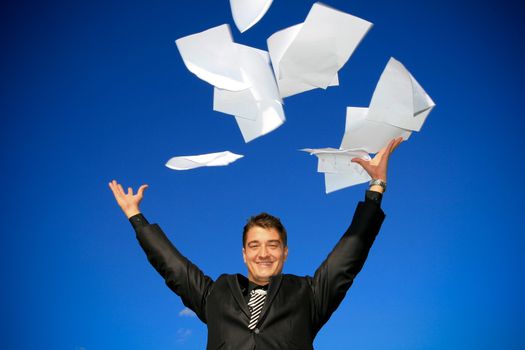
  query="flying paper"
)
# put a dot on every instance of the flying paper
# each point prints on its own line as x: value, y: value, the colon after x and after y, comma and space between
x: 398, y: 107
x: 399, y: 100
x: 309, y: 55
x: 246, y: 13
x: 338, y: 168
x: 244, y: 83
x: 197, y: 161
x: 366, y: 134
x: 257, y: 110
x: 211, y: 55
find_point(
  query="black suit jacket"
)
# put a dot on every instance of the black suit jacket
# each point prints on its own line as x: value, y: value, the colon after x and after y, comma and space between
x: 295, y: 308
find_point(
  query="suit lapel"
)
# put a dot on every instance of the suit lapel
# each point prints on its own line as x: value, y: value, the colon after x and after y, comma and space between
x: 233, y: 283
x: 273, y: 289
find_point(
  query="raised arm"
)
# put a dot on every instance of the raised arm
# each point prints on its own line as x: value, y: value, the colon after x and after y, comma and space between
x: 334, y: 277
x: 179, y: 273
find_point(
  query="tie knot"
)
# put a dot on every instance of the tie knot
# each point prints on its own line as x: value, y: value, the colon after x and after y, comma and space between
x: 258, y: 291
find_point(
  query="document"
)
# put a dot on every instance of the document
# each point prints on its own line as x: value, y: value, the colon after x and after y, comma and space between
x: 309, y: 55
x: 197, y: 161
x: 338, y: 168
x: 245, y: 86
x: 212, y: 56
x: 366, y: 134
x: 399, y: 100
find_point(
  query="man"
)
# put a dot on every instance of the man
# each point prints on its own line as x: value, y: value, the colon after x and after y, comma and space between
x: 268, y: 310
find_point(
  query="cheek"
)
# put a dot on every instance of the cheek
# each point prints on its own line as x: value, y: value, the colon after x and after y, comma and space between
x: 249, y: 256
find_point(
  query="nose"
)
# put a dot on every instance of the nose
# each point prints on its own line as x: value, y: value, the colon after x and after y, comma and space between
x: 263, y: 252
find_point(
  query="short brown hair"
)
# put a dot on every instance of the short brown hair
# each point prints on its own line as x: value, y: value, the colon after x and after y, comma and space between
x: 265, y: 220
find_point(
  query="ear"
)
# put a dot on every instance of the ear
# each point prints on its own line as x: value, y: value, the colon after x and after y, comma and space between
x: 285, y: 253
x: 244, y: 255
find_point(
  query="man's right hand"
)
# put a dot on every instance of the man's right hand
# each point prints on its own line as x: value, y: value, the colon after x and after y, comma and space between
x: 128, y: 202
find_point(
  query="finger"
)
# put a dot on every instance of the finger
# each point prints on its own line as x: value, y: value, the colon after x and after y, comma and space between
x: 391, y: 145
x: 121, y: 190
x: 141, y: 189
x: 397, y: 143
x: 361, y: 161
x: 111, y: 186
x: 388, y: 150
x: 114, y: 189
x: 130, y: 191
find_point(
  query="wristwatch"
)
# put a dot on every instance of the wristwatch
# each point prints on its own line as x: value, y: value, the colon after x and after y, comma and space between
x: 378, y: 182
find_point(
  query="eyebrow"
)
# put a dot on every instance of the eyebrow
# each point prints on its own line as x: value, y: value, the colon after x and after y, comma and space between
x: 268, y: 242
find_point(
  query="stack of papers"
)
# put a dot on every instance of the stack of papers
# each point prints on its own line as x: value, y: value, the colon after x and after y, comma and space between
x: 197, y: 161
x: 339, y: 171
x: 309, y: 55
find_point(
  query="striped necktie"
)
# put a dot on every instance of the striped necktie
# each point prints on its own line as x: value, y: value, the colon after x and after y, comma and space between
x: 255, y: 304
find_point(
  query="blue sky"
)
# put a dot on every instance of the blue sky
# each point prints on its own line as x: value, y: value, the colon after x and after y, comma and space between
x: 96, y: 90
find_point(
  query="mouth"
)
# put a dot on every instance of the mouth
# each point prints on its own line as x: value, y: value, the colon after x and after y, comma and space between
x: 265, y: 264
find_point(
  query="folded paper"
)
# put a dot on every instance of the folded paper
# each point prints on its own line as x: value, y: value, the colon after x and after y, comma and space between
x: 366, y: 134
x: 399, y: 100
x: 196, y: 161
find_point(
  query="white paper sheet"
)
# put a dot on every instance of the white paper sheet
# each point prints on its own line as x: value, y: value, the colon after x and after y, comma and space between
x: 271, y: 117
x: 338, y: 168
x: 258, y: 110
x: 246, y: 13
x: 311, y: 53
x: 399, y: 100
x: 196, y: 161
x: 213, y: 57
x: 245, y: 86
x: 338, y: 181
x: 366, y: 134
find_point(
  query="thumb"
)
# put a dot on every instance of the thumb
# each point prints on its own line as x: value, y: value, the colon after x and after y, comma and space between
x: 141, y: 190
x: 360, y: 161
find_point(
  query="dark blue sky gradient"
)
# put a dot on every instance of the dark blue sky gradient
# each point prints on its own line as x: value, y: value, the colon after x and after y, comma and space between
x: 96, y: 90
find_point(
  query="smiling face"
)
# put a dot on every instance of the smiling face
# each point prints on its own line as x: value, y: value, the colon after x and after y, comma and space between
x: 264, y: 254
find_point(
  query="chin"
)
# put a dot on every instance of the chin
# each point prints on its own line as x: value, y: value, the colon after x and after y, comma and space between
x: 264, y: 277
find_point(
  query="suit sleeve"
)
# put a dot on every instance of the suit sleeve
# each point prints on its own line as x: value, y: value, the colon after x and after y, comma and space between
x: 180, y: 274
x: 334, y: 277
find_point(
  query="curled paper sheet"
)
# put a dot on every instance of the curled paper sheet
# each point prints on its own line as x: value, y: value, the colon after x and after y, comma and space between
x: 197, y: 161
x: 244, y: 83
x: 338, y: 168
x: 366, y: 134
x: 246, y: 13
x: 399, y: 100
x: 258, y: 110
x: 212, y: 56
x: 309, y: 55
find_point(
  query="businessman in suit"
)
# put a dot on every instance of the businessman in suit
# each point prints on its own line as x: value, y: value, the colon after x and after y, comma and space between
x: 267, y: 310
